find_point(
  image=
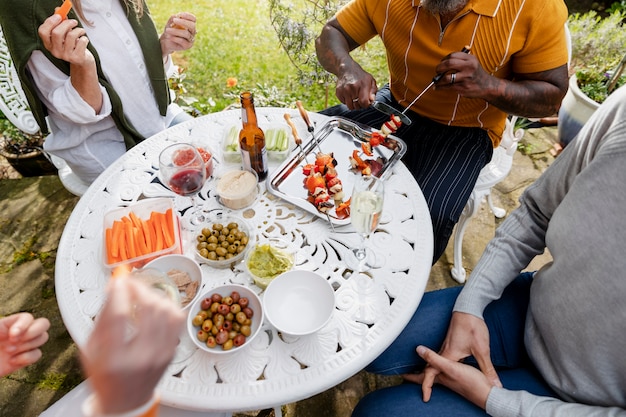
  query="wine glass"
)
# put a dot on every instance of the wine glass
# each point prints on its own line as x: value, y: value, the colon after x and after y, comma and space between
x: 183, y: 170
x: 366, y: 206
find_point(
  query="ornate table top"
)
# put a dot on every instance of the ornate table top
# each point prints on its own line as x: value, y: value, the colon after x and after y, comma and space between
x: 371, y: 309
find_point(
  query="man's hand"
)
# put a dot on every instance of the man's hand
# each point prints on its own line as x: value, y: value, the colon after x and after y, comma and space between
x: 530, y: 95
x: 21, y: 335
x: 179, y: 33
x: 463, y: 379
x: 133, y: 341
x: 467, y: 336
x: 356, y: 88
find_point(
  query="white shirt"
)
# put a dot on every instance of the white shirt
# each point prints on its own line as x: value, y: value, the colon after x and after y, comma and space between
x: 87, y: 141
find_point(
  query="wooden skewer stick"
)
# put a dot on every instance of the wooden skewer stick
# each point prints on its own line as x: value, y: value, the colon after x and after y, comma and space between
x: 296, y: 135
x: 309, y: 125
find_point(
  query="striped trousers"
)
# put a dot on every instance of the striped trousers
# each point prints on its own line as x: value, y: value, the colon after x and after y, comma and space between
x: 445, y: 161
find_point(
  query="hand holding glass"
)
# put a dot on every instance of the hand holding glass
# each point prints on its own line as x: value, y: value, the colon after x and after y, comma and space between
x: 183, y: 170
x: 366, y: 206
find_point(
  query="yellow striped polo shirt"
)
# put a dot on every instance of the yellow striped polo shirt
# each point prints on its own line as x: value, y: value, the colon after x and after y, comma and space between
x: 506, y: 36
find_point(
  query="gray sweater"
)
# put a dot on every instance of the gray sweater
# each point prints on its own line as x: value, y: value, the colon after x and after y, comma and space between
x: 576, y: 323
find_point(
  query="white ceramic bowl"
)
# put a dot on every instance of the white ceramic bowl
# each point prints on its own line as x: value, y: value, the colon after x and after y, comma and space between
x: 223, y: 219
x: 254, y: 303
x: 189, y: 289
x: 299, y: 302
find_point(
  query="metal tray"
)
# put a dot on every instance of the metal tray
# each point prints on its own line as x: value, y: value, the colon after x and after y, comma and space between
x: 339, y: 136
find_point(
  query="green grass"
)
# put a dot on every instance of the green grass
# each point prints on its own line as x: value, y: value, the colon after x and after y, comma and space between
x: 236, y: 39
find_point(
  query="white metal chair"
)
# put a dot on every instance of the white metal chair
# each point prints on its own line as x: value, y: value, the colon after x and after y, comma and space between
x: 15, y: 107
x: 494, y: 172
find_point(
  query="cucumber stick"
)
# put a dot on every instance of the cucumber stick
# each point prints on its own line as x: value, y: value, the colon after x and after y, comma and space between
x: 232, y: 140
x: 270, y: 139
x: 276, y: 140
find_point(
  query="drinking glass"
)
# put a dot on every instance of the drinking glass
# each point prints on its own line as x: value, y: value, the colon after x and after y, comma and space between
x: 366, y: 206
x: 183, y: 171
x: 159, y: 281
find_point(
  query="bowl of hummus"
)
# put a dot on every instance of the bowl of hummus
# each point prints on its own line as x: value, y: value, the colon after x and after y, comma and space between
x: 237, y: 189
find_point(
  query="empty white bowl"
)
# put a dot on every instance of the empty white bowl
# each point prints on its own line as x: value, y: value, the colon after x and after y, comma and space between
x: 254, y: 303
x: 299, y: 302
x: 168, y: 264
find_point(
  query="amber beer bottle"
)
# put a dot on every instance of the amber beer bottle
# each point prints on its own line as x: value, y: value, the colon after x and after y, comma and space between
x: 252, y: 138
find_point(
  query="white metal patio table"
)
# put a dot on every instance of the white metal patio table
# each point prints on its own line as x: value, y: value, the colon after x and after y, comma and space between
x: 371, y: 309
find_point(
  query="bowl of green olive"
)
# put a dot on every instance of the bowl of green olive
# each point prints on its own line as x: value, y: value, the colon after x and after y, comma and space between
x: 225, y: 319
x: 223, y: 240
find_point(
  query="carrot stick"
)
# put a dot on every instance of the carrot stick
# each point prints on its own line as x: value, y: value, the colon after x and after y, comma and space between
x: 157, y: 231
x: 109, y: 244
x: 134, y: 219
x: 117, y: 230
x: 147, y: 235
x: 140, y: 242
x: 64, y: 9
x: 169, y: 220
x: 168, y: 233
x: 120, y: 270
x: 130, y: 240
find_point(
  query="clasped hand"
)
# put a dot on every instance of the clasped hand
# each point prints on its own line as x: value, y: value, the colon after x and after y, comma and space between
x: 467, y: 335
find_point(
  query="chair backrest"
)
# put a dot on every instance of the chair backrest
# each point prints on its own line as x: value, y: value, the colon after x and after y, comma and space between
x: 13, y: 102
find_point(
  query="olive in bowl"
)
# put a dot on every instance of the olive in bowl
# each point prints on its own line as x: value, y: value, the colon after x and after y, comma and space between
x: 223, y: 241
x: 225, y: 319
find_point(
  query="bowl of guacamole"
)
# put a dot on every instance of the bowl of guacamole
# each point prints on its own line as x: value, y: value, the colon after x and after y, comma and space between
x: 268, y: 259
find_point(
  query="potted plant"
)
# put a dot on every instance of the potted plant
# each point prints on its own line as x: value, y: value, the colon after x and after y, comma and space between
x: 596, y: 67
x: 24, y: 151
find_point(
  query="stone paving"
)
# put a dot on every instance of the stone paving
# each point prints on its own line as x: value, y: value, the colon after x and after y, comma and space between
x: 33, y: 212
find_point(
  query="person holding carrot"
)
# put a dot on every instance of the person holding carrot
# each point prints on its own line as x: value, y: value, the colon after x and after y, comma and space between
x: 95, y: 74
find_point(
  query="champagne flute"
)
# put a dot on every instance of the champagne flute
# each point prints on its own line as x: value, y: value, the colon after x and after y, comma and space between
x: 183, y: 170
x: 366, y: 206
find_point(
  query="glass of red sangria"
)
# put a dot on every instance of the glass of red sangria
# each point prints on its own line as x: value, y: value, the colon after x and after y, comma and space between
x: 182, y: 169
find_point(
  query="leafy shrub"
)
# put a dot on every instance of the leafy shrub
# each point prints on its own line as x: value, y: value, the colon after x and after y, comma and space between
x: 598, y: 51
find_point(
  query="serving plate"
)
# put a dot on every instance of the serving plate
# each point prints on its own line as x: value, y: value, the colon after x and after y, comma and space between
x: 341, y: 137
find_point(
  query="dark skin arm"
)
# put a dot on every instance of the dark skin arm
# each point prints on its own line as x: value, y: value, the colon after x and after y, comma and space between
x: 535, y: 94
x: 529, y: 95
x: 333, y: 48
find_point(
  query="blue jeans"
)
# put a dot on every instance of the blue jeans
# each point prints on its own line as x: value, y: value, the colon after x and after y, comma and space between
x: 444, y: 160
x: 505, y: 320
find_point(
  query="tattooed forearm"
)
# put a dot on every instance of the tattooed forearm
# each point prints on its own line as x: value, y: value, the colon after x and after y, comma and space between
x: 333, y: 48
x: 531, y: 95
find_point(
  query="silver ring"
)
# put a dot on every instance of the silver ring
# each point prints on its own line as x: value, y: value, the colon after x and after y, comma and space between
x: 354, y: 100
x: 452, y: 78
